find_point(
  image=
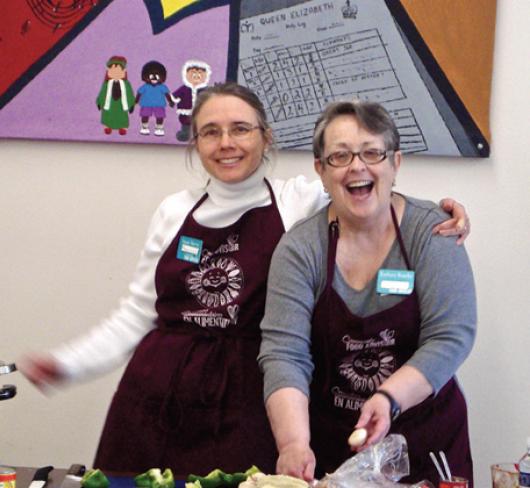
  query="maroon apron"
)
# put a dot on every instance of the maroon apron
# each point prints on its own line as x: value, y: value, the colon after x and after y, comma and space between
x: 191, y: 398
x: 353, y: 356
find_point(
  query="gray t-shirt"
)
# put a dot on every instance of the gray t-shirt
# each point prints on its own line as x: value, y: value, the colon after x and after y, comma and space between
x: 443, y: 282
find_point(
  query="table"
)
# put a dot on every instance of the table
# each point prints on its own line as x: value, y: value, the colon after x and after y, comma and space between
x: 56, y: 476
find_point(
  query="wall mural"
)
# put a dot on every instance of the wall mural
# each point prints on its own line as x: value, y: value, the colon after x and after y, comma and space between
x: 128, y: 71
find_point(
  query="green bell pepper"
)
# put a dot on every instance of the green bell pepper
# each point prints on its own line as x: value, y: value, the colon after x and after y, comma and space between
x: 218, y: 479
x: 154, y: 478
x: 94, y: 478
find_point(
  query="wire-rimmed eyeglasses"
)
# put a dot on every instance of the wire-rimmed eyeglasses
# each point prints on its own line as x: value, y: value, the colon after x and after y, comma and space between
x: 238, y: 132
x: 343, y: 158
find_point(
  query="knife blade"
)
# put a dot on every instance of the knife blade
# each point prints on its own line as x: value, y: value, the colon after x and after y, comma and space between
x: 40, y: 477
x: 73, y: 476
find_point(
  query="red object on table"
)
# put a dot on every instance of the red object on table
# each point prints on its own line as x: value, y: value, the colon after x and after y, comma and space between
x: 455, y: 482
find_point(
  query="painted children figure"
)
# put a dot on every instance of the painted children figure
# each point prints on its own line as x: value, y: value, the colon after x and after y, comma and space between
x: 152, y: 97
x: 116, y: 97
x: 195, y: 75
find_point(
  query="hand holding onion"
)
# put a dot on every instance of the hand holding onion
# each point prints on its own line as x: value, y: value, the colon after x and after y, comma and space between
x: 357, y: 438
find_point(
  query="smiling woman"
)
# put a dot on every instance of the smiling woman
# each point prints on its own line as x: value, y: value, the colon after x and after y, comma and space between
x: 368, y: 313
x: 191, y: 397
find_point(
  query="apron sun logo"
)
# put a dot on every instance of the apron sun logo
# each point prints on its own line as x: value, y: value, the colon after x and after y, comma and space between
x: 218, y: 282
x: 367, y: 369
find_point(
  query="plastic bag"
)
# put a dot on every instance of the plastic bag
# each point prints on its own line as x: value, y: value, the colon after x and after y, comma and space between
x: 380, y: 466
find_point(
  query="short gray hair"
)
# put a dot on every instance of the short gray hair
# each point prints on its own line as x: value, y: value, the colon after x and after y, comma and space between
x: 370, y: 115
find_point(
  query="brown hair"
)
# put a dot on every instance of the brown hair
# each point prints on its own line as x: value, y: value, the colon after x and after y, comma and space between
x: 229, y: 88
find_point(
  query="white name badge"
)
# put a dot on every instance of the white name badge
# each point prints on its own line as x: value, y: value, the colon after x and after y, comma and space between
x: 395, y: 282
x: 189, y: 249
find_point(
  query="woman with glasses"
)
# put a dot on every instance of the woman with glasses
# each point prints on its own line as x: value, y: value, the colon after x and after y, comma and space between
x: 191, y: 397
x: 368, y: 313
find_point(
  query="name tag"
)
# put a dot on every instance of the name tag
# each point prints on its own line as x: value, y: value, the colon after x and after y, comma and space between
x: 189, y: 249
x: 395, y: 282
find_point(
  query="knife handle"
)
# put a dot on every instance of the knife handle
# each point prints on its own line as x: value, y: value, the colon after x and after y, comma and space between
x: 76, y: 470
x: 42, y: 473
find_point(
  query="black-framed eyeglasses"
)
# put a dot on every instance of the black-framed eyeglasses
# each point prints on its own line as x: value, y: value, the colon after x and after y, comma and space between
x: 239, y: 132
x: 343, y: 158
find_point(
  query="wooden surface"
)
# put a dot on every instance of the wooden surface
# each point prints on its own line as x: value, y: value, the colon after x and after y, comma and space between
x: 460, y: 35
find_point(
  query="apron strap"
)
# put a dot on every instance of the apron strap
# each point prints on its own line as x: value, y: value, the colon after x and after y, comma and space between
x: 198, y: 204
x: 273, y: 198
x: 274, y: 203
x: 333, y: 237
x: 399, y: 237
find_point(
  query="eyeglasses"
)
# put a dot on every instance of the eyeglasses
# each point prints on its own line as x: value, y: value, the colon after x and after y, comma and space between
x: 340, y: 159
x: 238, y: 132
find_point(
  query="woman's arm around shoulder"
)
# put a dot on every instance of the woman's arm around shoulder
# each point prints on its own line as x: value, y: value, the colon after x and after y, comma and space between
x: 298, y: 198
x: 458, y: 224
x: 446, y: 292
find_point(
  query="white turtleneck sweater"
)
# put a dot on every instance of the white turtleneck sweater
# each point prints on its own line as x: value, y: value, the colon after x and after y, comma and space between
x: 109, y: 344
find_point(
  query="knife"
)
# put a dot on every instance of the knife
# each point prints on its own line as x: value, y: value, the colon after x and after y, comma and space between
x: 73, y: 476
x: 40, y: 477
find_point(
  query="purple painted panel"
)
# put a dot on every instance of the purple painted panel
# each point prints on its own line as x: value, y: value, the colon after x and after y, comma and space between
x: 60, y: 102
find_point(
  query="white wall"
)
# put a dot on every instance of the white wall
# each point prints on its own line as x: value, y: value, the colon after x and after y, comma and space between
x: 73, y: 218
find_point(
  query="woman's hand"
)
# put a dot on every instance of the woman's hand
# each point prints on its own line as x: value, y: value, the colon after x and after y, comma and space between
x: 457, y: 225
x: 408, y: 386
x: 288, y: 411
x: 297, y: 460
x: 375, y: 418
x: 42, y: 371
